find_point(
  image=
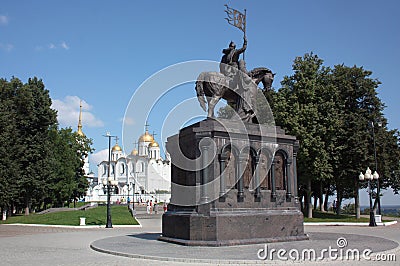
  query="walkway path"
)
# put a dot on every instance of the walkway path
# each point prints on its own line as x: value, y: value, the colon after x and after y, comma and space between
x: 21, y: 245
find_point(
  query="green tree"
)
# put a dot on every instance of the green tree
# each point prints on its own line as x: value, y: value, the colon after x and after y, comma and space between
x: 305, y: 107
x: 8, y: 160
x: 82, y: 150
x: 330, y: 111
x: 33, y: 120
x: 40, y: 165
x: 362, y: 109
x: 68, y: 152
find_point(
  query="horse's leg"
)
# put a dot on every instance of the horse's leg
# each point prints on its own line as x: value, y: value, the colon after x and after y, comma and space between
x: 211, y: 105
x: 201, y: 95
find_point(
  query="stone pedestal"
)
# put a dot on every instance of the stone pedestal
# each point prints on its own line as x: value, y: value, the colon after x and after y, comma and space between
x: 232, y: 183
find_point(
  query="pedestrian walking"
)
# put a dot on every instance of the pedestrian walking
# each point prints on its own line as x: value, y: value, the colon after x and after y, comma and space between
x: 155, y: 207
x: 148, y: 206
x: 151, y: 207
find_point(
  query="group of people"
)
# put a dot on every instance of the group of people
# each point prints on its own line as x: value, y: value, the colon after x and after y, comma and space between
x: 122, y: 200
x: 153, y: 206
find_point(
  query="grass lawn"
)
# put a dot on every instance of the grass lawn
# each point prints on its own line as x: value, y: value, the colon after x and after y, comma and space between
x: 77, y: 204
x: 332, y: 217
x: 96, y: 216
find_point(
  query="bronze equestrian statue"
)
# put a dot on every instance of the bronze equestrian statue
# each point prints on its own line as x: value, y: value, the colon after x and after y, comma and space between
x: 234, y: 84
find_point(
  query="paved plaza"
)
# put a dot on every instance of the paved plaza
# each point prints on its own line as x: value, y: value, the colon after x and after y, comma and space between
x: 32, y: 245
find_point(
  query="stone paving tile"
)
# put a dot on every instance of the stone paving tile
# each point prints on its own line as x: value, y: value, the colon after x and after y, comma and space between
x: 147, y: 245
x: 21, y: 245
x: 10, y: 230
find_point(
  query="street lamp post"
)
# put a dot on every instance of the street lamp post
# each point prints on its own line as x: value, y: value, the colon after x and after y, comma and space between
x: 133, y: 196
x: 369, y: 177
x: 376, y: 167
x: 108, y: 183
x: 132, y: 187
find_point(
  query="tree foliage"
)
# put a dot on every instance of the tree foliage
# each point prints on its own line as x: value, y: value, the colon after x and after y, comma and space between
x: 40, y: 165
x: 330, y: 111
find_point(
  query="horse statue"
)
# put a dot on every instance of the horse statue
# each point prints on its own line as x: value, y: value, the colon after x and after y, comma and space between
x: 238, y: 88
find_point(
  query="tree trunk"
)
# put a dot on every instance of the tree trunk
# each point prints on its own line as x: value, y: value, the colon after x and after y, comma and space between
x: 339, y: 202
x: 321, y: 197
x: 27, y: 207
x: 326, y: 198
x: 315, y: 202
x: 10, y: 210
x: 357, y: 200
x: 309, y: 204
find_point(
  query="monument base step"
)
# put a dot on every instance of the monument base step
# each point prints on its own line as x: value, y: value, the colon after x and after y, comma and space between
x: 220, y: 243
x: 232, y: 228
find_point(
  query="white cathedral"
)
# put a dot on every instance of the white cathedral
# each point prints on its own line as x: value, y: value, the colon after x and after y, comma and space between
x: 141, y: 175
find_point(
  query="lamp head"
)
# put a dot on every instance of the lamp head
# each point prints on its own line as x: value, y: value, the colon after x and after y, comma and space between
x: 375, y: 175
x: 368, y: 174
x: 361, y: 176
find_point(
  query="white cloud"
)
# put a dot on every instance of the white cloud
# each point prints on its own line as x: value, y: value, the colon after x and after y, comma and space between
x: 64, y: 46
x: 68, y: 113
x: 6, y: 47
x: 98, y: 157
x: 52, y: 46
x: 128, y: 121
x: 3, y: 20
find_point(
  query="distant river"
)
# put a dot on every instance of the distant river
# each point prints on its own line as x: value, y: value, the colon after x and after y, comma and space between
x: 386, y: 209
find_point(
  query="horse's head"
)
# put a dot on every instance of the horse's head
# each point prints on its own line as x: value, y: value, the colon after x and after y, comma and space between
x: 264, y: 75
x: 267, y: 81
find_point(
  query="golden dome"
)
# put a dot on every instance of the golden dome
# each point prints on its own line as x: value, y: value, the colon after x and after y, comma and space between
x: 134, y: 152
x: 116, y: 148
x: 154, y: 144
x: 146, y: 137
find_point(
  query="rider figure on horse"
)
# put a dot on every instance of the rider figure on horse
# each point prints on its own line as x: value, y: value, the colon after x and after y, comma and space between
x: 230, y: 59
x: 235, y: 69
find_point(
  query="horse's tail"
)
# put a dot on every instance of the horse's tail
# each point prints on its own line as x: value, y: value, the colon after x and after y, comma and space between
x: 200, y: 92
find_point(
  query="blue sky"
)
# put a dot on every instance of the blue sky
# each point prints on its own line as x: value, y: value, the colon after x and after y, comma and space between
x: 102, y: 51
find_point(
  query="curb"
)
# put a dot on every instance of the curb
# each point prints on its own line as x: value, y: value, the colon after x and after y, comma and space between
x: 349, y: 224
x: 78, y: 226
x: 184, y: 260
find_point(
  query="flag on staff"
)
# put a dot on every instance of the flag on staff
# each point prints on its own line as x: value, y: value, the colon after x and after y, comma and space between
x: 235, y: 18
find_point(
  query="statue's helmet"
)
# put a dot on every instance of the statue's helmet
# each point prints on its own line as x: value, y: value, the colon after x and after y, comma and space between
x: 232, y: 45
